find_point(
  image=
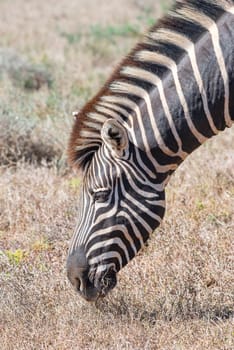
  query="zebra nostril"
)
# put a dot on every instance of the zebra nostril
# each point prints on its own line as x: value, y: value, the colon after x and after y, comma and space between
x: 77, y: 283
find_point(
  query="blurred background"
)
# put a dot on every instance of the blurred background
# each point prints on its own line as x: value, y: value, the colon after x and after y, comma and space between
x: 53, y: 57
x: 178, y: 293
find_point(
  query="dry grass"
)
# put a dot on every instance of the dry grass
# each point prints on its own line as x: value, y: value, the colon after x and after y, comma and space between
x: 23, y: 140
x: 178, y: 292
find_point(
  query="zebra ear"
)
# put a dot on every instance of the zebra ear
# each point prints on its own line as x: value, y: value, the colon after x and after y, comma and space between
x: 115, y: 137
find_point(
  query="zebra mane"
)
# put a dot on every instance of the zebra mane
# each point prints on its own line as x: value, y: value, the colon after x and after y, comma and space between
x: 85, y: 138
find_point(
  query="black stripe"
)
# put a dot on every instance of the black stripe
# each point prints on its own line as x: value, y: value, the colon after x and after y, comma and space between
x: 226, y: 34
x: 183, y: 26
x: 113, y: 260
x: 167, y: 49
x: 207, y: 7
x: 109, y: 248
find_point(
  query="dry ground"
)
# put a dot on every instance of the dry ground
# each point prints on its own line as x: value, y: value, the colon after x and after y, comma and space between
x: 178, y: 293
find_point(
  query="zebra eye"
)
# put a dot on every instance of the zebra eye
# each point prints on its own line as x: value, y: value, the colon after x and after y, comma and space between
x: 101, y: 196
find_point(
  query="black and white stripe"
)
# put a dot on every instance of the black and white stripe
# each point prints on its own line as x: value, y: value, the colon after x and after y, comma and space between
x: 174, y: 91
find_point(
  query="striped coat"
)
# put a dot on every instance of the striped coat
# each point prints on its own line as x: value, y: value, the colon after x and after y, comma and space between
x: 172, y: 92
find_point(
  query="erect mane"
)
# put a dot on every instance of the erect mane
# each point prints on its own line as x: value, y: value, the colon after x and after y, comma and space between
x: 85, y: 138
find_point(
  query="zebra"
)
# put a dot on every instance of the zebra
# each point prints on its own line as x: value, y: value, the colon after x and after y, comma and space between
x: 172, y: 92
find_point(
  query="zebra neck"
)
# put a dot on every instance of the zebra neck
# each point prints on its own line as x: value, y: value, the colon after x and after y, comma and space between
x: 172, y: 92
x: 184, y: 102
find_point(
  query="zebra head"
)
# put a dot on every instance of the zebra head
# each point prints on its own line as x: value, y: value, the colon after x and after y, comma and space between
x: 120, y: 205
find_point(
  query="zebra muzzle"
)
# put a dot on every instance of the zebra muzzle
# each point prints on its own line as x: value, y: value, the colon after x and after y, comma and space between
x: 89, y: 283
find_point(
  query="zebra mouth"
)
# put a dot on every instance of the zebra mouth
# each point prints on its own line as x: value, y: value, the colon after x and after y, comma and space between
x: 105, y: 282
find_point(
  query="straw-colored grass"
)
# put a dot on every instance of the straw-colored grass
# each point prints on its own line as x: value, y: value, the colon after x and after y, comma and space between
x: 177, y: 293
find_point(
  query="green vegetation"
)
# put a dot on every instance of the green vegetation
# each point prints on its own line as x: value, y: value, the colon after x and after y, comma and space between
x: 16, y: 257
x: 41, y: 245
x: 100, y: 32
x: 72, y: 38
x: 110, y: 32
x: 75, y: 182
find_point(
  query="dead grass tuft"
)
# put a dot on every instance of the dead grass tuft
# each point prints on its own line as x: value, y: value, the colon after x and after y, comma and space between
x: 21, y: 72
x: 23, y: 140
